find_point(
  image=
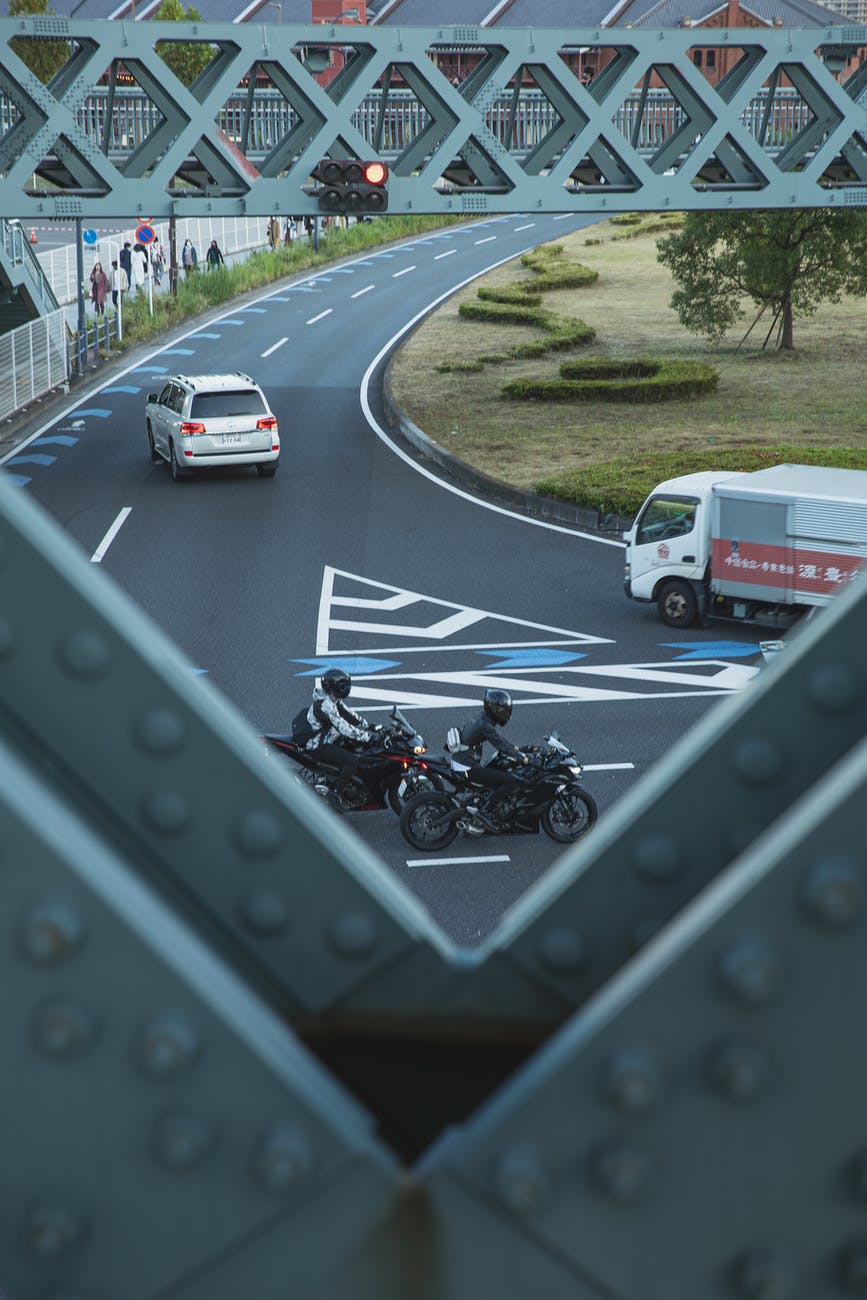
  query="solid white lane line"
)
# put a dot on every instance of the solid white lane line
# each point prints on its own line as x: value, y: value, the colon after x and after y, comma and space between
x: 448, y: 253
x: 106, y: 542
x: 314, y: 319
x: 406, y: 270
x: 455, y: 862
x: 607, y: 767
x: 359, y: 292
x: 490, y: 239
x: 529, y: 226
x: 275, y: 346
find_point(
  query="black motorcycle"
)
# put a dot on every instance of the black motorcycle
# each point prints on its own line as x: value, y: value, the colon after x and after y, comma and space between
x: 549, y: 795
x: 391, y: 768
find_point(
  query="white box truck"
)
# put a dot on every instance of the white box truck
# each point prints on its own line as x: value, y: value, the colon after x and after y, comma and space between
x: 760, y: 547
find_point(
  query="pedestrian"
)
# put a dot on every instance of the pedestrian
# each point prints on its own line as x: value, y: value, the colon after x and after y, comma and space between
x: 99, y: 287
x: 308, y: 226
x: 119, y: 282
x: 139, y: 267
x: 126, y: 261
x: 214, y: 257
x: 189, y: 257
x: 158, y: 261
x: 289, y: 231
x: 273, y: 233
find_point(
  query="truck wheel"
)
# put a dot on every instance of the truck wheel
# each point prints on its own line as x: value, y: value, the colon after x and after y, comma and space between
x: 677, y: 604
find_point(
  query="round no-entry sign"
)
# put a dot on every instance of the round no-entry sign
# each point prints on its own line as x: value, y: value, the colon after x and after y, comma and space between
x: 145, y: 234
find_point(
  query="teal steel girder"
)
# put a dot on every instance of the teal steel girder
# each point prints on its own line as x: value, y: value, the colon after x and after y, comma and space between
x: 187, y: 933
x: 187, y: 165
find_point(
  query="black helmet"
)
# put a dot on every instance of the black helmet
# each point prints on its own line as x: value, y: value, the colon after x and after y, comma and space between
x: 337, y: 683
x: 498, y: 706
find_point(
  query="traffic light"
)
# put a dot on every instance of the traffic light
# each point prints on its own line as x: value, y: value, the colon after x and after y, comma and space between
x: 346, y: 185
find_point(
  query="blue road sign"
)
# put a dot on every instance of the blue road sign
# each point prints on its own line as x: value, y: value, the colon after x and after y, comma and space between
x: 145, y: 234
x: 89, y: 236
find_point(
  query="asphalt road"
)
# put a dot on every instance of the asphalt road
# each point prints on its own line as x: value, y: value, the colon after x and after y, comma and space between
x: 357, y: 554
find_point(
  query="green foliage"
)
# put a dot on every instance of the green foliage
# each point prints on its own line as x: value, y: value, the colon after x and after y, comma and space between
x: 612, y: 380
x: 503, y: 313
x: 653, y: 227
x: 561, y: 332
x: 460, y: 367
x: 627, y: 219
x: 621, y: 486
x: 43, y: 56
x: 186, y: 59
x: 525, y: 293
x: 786, y: 262
x: 554, y: 271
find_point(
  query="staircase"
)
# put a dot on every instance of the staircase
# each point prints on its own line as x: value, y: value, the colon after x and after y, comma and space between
x: 25, y: 292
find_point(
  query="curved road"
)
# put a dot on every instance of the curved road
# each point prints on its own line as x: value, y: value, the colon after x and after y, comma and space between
x: 356, y: 553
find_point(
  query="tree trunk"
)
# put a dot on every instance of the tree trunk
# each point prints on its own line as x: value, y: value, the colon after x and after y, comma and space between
x: 787, y: 336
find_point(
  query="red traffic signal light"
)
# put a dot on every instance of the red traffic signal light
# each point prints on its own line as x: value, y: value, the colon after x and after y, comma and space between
x: 347, y: 185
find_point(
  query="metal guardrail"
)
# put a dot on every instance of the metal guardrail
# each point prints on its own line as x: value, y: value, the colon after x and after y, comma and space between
x: 33, y: 361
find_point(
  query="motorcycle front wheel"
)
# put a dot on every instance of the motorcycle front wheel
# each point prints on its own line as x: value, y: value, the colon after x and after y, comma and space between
x: 569, y: 815
x: 413, y: 786
x: 417, y: 818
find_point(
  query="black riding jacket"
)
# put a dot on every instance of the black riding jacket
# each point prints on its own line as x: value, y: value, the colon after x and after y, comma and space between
x: 481, y: 729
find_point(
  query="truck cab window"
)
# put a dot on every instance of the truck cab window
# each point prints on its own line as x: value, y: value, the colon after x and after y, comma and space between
x: 666, y: 517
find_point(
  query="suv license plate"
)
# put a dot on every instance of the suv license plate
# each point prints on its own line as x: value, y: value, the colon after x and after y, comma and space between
x: 231, y: 437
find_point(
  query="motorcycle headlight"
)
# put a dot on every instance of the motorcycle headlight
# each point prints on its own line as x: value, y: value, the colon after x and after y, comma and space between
x: 576, y: 771
x: 419, y: 749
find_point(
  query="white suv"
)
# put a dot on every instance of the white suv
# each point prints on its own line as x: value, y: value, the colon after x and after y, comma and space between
x: 204, y: 420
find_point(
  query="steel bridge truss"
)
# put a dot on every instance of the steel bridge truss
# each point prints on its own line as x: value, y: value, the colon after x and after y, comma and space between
x: 195, y: 154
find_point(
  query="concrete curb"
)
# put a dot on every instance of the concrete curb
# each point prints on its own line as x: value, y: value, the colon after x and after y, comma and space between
x: 527, y: 503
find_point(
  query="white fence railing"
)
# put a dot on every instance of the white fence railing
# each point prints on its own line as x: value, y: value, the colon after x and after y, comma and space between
x: 33, y: 360
x: 233, y: 234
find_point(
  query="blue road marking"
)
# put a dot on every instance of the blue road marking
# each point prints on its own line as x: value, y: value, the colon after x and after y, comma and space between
x: 179, y: 352
x: 364, y: 264
x: 321, y: 279
x: 204, y: 336
x: 712, y: 649
x: 231, y: 322
x: 260, y: 311
x: 17, y: 480
x: 341, y: 270
x: 141, y: 370
x: 377, y: 256
x: 532, y: 657
x: 349, y: 664
x: 62, y: 439
x: 120, y: 388
x: 101, y: 412
x: 32, y: 460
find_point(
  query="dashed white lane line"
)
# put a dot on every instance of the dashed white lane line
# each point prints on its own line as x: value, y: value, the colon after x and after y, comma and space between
x: 106, y: 542
x: 360, y: 292
x: 449, y: 252
x: 456, y: 862
x: 322, y: 314
x: 275, y: 346
x: 489, y: 240
x: 406, y: 270
x: 529, y: 226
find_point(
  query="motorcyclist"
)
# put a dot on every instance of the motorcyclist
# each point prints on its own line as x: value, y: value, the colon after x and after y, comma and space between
x: 339, y: 732
x: 482, y: 729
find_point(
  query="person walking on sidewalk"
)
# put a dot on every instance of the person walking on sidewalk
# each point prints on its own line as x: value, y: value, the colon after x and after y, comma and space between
x: 189, y: 257
x: 119, y: 282
x: 126, y: 261
x: 99, y: 287
x: 213, y: 256
x: 158, y: 262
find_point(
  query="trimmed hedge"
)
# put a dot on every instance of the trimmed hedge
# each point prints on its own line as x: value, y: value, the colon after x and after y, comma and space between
x: 554, y: 271
x: 612, y: 380
x: 526, y: 293
x: 562, y: 332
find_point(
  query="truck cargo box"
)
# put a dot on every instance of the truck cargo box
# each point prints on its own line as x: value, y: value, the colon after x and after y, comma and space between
x: 791, y: 533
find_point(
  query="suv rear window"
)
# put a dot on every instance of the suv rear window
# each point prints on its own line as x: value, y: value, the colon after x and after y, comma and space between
x: 242, y: 401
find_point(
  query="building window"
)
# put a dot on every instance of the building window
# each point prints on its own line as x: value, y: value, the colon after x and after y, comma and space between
x: 710, y: 58
x: 696, y: 58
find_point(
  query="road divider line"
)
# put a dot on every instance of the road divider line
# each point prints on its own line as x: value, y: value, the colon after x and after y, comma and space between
x: 406, y: 270
x: 529, y: 226
x: 359, y: 293
x: 488, y: 240
x: 456, y: 862
x: 322, y: 314
x: 275, y: 346
x: 106, y: 542
x: 447, y: 253
x: 607, y: 767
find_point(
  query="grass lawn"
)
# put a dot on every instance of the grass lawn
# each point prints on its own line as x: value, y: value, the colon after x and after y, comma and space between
x: 813, y: 398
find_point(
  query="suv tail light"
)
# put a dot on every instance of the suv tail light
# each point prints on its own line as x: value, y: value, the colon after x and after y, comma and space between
x: 188, y: 428
x: 267, y: 422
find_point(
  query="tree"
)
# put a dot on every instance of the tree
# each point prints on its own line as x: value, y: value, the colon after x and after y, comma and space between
x: 44, y: 57
x: 787, y: 262
x: 187, y: 59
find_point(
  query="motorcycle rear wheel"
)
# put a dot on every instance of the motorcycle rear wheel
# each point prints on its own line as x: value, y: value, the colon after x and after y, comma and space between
x: 569, y: 815
x: 417, y: 816
x: 415, y: 785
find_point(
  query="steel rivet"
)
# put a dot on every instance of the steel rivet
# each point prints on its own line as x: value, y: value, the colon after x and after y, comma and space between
x: 833, y: 687
x: 622, y: 1172
x: 520, y: 1180
x: 750, y: 972
x: 166, y: 1046
x: 7, y: 638
x: 658, y: 857
x: 853, y: 1268
x: 181, y: 1140
x: 160, y: 730
x: 352, y: 934
x: 85, y: 654
x: 51, y: 931
x: 832, y: 892
x: 740, y: 1072
x: 282, y: 1161
x: 758, y: 759
x: 51, y: 1231
x: 62, y: 1028
x: 258, y: 833
x: 762, y: 1274
x: 167, y: 811
x: 632, y: 1084
x: 265, y: 912
x: 563, y: 951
